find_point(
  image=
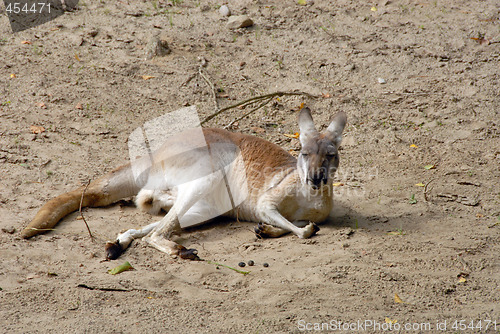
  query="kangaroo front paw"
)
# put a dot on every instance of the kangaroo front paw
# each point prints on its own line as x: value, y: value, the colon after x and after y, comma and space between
x: 259, y: 231
x: 308, y: 231
x: 113, y: 250
x: 267, y: 231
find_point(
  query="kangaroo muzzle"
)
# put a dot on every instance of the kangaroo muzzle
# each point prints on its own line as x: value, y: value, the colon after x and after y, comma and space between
x: 317, y: 178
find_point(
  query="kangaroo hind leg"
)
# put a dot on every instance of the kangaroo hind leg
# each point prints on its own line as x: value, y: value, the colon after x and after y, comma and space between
x: 192, y: 206
x: 115, y: 249
x: 152, y: 201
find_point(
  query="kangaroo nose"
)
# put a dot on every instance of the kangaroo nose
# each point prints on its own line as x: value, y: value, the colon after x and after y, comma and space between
x: 318, y: 177
x: 317, y: 181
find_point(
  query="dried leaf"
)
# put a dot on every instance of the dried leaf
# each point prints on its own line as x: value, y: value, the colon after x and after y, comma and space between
x: 147, y: 77
x: 120, y: 268
x: 429, y: 167
x: 413, y: 145
x: 398, y: 232
x: 462, y: 280
x: 373, y: 9
x: 76, y: 57
x: 390, y: 321
x: 37, y: 129
x: 397, y: 299
x: 302, y: 2
x: 337, y: 184
x: 420, y: 184
x: 301, y: 106
x: 25, y: 42
x: 481, y: 40
x: 295, y: 135
x: 12, y: 76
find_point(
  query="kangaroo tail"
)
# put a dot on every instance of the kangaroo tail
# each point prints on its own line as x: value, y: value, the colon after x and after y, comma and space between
x: 115, y: 185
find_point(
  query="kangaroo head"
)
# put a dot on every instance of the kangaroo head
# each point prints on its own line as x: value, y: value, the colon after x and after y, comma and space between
x: 318, y: 159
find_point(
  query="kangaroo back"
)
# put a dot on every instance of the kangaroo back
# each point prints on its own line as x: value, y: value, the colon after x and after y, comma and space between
x: 115, y: 185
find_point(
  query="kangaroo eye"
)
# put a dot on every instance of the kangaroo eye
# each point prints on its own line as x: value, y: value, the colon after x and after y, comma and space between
x: 331, y: 151
x: 331, y: 155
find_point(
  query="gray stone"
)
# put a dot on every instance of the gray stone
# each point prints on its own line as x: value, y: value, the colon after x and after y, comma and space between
x: 158, y: 47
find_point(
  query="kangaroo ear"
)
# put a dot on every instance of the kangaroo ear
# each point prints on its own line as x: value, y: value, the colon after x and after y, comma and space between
x: 334, y: 130
x: 306, y: 126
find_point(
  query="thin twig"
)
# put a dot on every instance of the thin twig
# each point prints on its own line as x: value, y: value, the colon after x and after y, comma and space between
x: 229, y: 267
x: 248, y: 113
x: 212, y: 87
x: 255, y: 99
x: 237, y: 215
x: 401, y: 140
x: 41, y: 229
x: 425, y: 190
x: 89, y: 287
x: 81, y: 212
x: 495, y: 224
x: 188, y: 80
x: 102, y: 288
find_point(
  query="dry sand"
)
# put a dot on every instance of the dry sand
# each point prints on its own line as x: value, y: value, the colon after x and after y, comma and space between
x: 80, y: 78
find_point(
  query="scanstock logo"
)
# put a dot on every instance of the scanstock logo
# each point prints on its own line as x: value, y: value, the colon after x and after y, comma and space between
x: 25, y: 14
x: 170, y: 156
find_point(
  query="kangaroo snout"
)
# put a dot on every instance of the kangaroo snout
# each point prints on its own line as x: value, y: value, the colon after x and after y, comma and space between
x: 318, y: 177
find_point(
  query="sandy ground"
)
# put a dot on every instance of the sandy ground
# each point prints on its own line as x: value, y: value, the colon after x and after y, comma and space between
x: 80, y: 77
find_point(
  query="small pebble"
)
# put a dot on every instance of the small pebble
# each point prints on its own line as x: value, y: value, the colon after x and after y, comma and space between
x: 381, y: 81
x: 205, y: 8
x: 157, y: 48
x: 242, y: 264
x: 12, y: 230
x: 224, y: 10
x: 93, y: 32
x: 251, y: 263
x: 265, y: 264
